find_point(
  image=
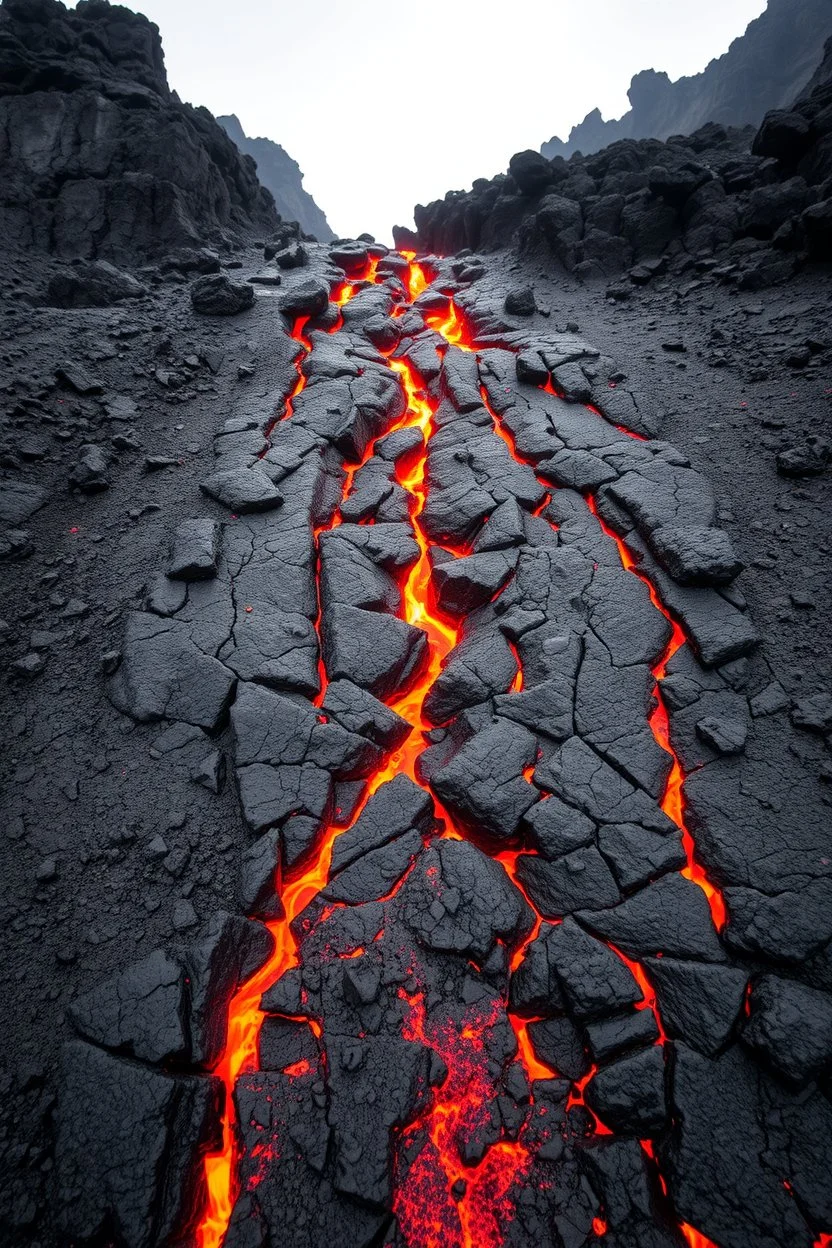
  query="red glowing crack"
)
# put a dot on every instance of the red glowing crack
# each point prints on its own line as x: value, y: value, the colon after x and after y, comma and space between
x: 440, y: 1201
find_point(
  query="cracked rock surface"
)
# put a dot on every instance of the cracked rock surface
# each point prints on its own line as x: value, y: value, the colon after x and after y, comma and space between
x: 513, y: 913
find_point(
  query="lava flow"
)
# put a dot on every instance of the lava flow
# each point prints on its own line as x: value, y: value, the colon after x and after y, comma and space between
x: 244, y: 1015
x: 672, y: 802
x: 440, y: 1200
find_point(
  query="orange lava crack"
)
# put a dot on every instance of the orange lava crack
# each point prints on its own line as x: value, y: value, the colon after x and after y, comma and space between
x: 440, y: 1201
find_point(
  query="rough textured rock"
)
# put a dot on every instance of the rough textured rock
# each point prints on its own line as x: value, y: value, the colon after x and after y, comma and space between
x: 216, y: 295
x: 749, y: 207
x: 128, y: 1147
x: 446, y: 917
x: 102, y: 161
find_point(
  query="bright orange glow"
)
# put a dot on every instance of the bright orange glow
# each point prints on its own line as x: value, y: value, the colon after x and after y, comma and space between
x: 244, y: 1016
x: 694, y: 1238
x: 441, y: 1201
x: 576, y: 1098
x: 508, y: 860
x: 649, y: 996
x: 428, y: 1213
x: 347, y: 290
x: 244, y: 1022
x: 672, y: 802
x: 416, y: 280
x: 452, y: 327
x: 535, y: 1069
x: 299, y: 336
x: 303, y: 1067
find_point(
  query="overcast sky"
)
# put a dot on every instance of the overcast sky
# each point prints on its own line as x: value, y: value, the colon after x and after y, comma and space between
x: 385, y: 104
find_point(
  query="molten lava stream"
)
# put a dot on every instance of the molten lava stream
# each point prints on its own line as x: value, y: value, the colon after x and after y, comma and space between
x: 441, y: 1202
x: 454, y: 330
x: 672, y: 802
x: 244, y: 1015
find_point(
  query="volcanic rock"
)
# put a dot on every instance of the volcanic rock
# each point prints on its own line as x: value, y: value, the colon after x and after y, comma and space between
x: 457, y: 898
x: 381, y: 653
x: 103, y: 161
x: 520, y: 302
x: 195, y: 551
x: 396, y: 807
x: 790, y: 1027
x: 140, y: 1011
x: 216, y: 295
x: 306, y: 299
x: 19, y: 500
x: 164, y: 675
x: 557, y: 1042
x: 90, y: 472
x: 92, y: 284
x: 130, y: 1144
x: 242, y: 490
x: 229, y: 953
x: 695, y: 556
x: 628, y: 1096
x: 484, y: 785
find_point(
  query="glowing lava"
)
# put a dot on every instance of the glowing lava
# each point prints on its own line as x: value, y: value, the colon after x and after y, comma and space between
x: 440, y: 1201
x: 672, y: 802
x: 244, y: 1015
x: 695, y: 1239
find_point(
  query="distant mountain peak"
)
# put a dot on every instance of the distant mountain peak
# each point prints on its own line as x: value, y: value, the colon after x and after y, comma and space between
x: 281, y: 175
x: 762, y: 69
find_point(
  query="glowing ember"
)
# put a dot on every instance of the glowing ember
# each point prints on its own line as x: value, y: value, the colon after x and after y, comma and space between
x: 441, y: 1201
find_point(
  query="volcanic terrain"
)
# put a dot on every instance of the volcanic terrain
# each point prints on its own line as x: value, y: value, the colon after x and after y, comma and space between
x: 417, y: 710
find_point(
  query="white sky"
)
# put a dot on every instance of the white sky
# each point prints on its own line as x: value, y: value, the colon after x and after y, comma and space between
x: 385, y: 104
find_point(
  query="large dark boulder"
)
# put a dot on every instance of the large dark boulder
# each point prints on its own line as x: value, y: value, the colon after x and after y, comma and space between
x: 784, y: 135
x: 530, y: 171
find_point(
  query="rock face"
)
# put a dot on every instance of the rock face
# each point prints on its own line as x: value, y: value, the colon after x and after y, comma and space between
x: 282, y: 176
x: 762, y: 69
x: 748, y: 217
x: 98, y: 158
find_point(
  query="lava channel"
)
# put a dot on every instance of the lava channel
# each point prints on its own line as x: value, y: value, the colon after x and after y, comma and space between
x: 439, y: 1201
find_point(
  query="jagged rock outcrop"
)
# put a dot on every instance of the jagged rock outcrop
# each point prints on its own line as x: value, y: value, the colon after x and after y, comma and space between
x: 98, y: 157
x: 747, y: 208
x: 762, y: 69
x: 282, y: 176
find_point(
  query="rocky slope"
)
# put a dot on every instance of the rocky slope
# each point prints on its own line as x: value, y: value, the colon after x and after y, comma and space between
x: 166, y: 537
x: 723, y: 205
x: 98, y: 157
x: 763, y: 69
x: 282, y: 176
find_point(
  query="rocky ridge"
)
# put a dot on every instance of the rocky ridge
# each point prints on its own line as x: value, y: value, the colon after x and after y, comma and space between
x: 721, y: 205
x: 763, y: 69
